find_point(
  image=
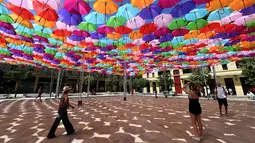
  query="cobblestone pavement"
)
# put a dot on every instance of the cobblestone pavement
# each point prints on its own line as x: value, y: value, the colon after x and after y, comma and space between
x: 139, y: 120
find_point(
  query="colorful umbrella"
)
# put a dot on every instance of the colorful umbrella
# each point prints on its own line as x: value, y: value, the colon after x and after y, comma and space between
x: 69, y: 18
x: 105, y: 29
x: 183, y: 8
x: 141, y: 3
x: 95, y: 18
x: 167, y: 3
x: 219, y: 14
x: 27, y: 4
x: 86, y: 26
x: 22, y: 12
x: 240, y: 4
x: 123, y: 30
x: 116, y: 21
x: 148, y: 28
x: 54, y: 4
x: 105, y: 6
x: 163, y: 20
x: 127, y: 11
x: 196, y: 14
x: 3, y: 9
x: 177, y: 23
x: 135, y: 22
x: 197, y: 24
x: 161, y: 31
x: 6, y: 18
x: 150, y: 12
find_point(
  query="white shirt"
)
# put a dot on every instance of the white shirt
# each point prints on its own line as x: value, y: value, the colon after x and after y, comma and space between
x: 220, y: 93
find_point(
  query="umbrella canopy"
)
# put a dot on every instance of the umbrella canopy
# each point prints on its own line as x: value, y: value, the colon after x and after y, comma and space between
x: 141, y: 3
x: 127, y: 11
x: 219, y: 14
x: 196, y: 14
x: 148, y: 28
x: 95, y: 18
x: 177, y: 23
x: 105, y: 6
x: 105, y: 29
x: 86, y: 26
x: 237, y: 5
x: 197, y: 24
x: 183, y: 8
x: 135, y: 22
x: 150, y: 12
x: 167, y: 3
x: 77, y: 7
x: 116, y: 21
x: 161, y: 31
x: 123, y: 30
x: 22, y: 12
x: 69, y: 18
x: 163, y: 20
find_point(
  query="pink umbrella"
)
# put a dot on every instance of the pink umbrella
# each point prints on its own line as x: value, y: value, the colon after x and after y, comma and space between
x: 61, y: 25
x: 163, y: 20
x: 162, y: 31
x: 135, y: 22
x: 54, y: 4
x: 81, y: 33
x: 245, y: 19
x: 27, y: 4
x: 138, y: 42
x: 69, y: 41
x: 105, y: 29
x: 167, y: 3
x: 77, y: 7
x: 154, y: 43
x: 232, y: 17
x: 180, y: 32
x: 201, y: 1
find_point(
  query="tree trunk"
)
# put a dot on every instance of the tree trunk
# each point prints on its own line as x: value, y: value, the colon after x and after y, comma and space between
x: 16, y: 88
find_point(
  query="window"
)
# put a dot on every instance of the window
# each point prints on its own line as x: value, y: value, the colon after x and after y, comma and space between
x: 225, y: 67
x: 152, y: 74
x: 187, y: 71
x: 147, y: 75
x: 160, y: 73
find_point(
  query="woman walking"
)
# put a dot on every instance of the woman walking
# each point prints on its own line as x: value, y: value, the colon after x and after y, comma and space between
x: 195, y: 110
x: 62, y: 115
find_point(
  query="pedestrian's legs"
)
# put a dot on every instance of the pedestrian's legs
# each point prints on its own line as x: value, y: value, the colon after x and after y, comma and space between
x: 220, y: 108
x: 54, y: 127
x: 200, y: 126
x: 68, y: 126
x: 194, y: 123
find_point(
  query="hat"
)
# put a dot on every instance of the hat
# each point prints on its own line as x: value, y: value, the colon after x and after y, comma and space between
x: 66, y: 88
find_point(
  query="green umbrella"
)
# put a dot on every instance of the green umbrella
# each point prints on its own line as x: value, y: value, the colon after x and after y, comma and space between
x: 86, y: 26
x: 197, y: 24
x: 251, y: 24
x: 6, y: 18
x: 116, y: 21
x: 100, y: 44
x: 45, y: 35
x: 24, y: 34
x: 118, y: 43
x: 165, y: 44
x: 177, y: 23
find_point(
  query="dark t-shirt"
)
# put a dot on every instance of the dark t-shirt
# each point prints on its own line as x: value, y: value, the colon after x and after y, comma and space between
x: 64, y: 103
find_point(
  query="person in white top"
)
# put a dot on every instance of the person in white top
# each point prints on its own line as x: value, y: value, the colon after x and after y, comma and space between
x: 250, y: 95
x: 222, y: 98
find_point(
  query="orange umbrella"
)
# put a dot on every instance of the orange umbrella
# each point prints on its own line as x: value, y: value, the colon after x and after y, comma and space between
x: 22, y: 21
x: 45, y: 23
x: 206, y: 35
x: 141, y: 3
x: 114, y: 36
x: 216, y: 4
x: 192, y: 34
x: 240, y: 4
x: 105, y: 6
x: 135, y: 35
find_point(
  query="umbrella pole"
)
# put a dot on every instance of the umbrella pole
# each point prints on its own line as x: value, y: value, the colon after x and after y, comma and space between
x: 124, y: 83
x: 51, y: 82
x: 88, y: 87
x: 57, y: 88
x: 215, y: 80
x: 206, y: 89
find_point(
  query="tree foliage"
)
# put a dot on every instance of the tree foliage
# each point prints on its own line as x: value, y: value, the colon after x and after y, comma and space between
x: 198, y: 77
x: 18, y: 74
x: 113, y: 81
x: 169, y: 81
x: 91, y: 79
x: 139, y: 83
x: 248, y: 70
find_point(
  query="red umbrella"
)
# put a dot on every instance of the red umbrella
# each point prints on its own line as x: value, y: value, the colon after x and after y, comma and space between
x: 123, y: 30
x: 40, y: 7
x: 210, y: 27
x: 162, y: 31
x: 81, y: 33
x: 49, y: 14
x: 129, y: 45
x: 105, y: 29
x: 180, y: 32
x: 20, y: 11
x: 225, y: 28
x: 62, y: 32
x: 148, y: 28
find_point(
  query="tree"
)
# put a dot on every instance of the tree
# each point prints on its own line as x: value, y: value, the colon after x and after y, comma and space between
x: 198, y: 77
x: 169, y: 81
x: 112, y: 82
x: 92, y: 81
x: 248, y: 70
x: 18, y: 74
x: 139, y: 83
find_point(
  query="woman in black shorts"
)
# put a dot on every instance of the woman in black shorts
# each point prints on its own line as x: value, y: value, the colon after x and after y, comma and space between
x: 195, y: 110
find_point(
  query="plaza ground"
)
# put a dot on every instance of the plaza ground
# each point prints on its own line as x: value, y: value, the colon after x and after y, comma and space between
x: 139, y: 120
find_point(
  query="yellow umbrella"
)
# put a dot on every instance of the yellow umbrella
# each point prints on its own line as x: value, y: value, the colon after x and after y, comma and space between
x: 135, y: 35
x: 114, y: 36
x: 240, y: 4
x: 141, y: 3
x: 45, y: 23
x: 21, y: 21
x: 105, y: 6
x: 216, y: 4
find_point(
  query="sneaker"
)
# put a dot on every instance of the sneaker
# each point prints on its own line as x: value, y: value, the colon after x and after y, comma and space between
x: 51, y: 137
x: 198, y: 139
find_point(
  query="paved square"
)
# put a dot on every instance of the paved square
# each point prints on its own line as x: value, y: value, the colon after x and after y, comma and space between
x: 139, y: 120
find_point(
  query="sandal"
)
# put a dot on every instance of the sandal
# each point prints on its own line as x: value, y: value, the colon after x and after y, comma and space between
x: 198, y: 139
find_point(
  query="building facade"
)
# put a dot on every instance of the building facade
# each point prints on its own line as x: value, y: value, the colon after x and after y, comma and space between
x: 229, y: 75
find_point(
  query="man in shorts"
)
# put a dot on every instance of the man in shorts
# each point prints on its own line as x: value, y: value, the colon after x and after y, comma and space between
x: 222, y: 98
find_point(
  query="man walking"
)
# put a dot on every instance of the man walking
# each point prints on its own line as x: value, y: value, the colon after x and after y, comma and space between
x: 222, y: 98
x: 40, y: 92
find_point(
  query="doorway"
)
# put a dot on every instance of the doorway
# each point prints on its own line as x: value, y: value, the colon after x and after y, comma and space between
x: 230, y: 84
x: 245, y: 86
x: 177, y: 82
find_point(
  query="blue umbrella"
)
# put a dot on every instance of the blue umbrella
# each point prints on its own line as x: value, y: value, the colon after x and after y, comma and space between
x: 219, y: 14
x: 106, y: 40
x: 96, y: 35
x: 148, y: 37
x: 177, y: 40
x: 183, y: 8
x: 127, y: 11
x: 125, y: 40
x: 196, y: 14
x: 165, y: 38
x: 95, y: 18
x: 69, y: 18
x: 248, y: 10
x: 76, y: 38
x: 42, y: 29
x: 150, y: 12
x: 3, y: 9
x: 191, y: 41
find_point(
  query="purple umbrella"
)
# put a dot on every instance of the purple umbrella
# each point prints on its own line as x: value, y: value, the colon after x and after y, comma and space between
x: 40, y: 39
x: 249, y: 38
x: 69, y: 18
x: 135, y: 22
x: 150, y: 12
x: 165, y: 38
x: 248, y: 10
x: 105, y: 29
x: 167, y: 3
x: 162, y: 31
x: 96, y: 35
x: 76, y: 38
x: 8, y: 31
x: 81, y: 33
x: 6, y: 25
x: 183, y: 8
x: 201, y: 1
x: 27, y: 39
x: 163, y: 20
x: 148, y: 37
x: 77, y: 7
